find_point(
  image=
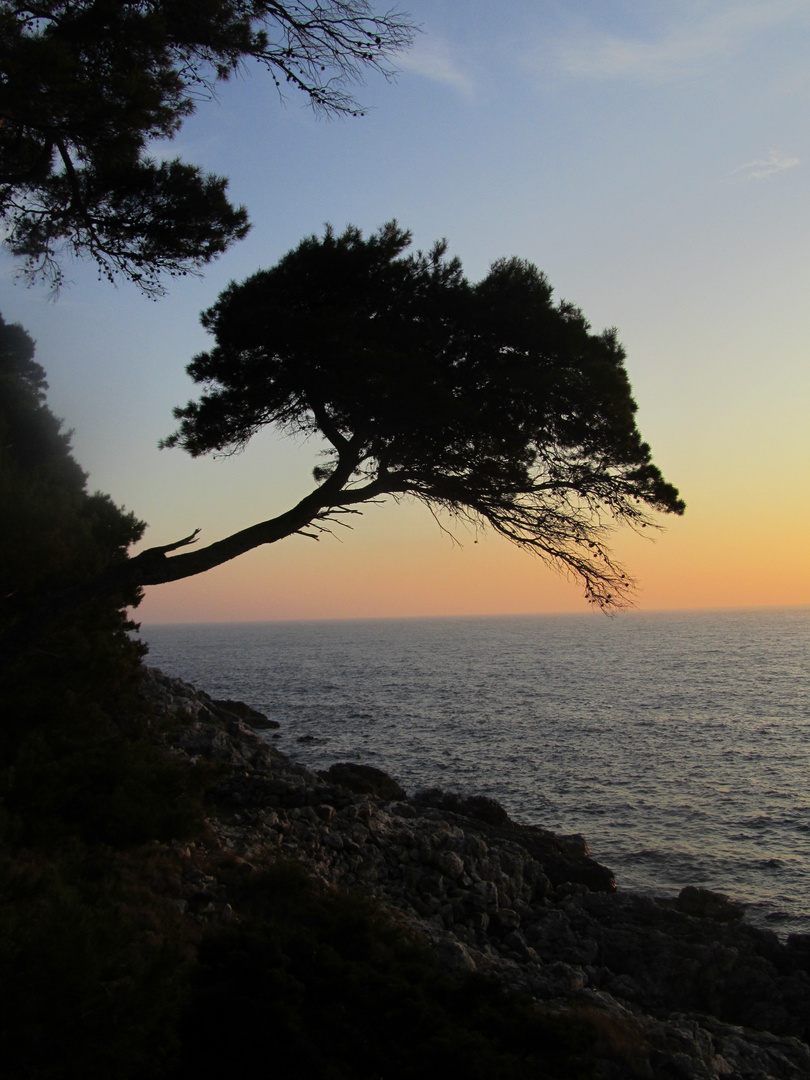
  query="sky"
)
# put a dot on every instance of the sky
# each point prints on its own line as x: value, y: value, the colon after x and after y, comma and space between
x: 651, y: 157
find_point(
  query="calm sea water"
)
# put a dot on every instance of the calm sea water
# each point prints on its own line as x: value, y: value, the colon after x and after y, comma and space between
x: 678, y: 744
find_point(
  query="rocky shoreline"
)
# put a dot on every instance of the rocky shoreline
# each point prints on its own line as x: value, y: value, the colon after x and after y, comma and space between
x: 697, y: 991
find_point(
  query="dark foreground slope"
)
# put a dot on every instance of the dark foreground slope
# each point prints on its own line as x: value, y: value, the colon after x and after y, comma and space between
x: 329, y: 926
x: 640, y: 987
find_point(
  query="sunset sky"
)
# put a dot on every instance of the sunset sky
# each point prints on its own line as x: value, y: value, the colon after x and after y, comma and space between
x: 652, y: 158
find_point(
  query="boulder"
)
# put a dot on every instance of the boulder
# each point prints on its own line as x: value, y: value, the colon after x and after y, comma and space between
x: 478, y: 807
x: 705, y: 904
x: 364, y: 780
x: 245, y: 713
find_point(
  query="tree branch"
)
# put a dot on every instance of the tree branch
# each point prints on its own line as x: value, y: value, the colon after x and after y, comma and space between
x: 155, y: 567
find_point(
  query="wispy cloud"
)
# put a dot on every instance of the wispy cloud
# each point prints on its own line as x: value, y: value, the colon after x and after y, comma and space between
x: 764, y: 168
x: 431, y: 58
x: 681, y: 48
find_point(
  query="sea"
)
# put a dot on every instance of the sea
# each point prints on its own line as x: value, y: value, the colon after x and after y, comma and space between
x: 677, y: 743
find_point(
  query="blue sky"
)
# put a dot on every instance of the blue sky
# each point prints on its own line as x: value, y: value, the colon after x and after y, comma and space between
x: 650, y: 157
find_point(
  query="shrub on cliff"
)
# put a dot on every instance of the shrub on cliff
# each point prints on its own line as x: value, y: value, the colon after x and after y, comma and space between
x: 57, y: 533
x: 74, y: 755
x: 91, y: 964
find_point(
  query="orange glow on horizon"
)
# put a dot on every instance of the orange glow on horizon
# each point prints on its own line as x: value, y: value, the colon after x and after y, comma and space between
x: 384, y: 572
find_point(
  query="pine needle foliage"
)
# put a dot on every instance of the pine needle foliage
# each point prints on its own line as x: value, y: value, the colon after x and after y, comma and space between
x: 487, y: 400
x: 89, y: 87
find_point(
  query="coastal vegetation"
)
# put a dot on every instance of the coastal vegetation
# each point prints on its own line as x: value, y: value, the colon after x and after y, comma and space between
x: 178, y: 900
x: 486, y: 400
x: 90, y: 90
x: 104, y: 972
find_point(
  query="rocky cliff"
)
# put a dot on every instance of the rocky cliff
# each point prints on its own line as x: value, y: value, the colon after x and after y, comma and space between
x: 685, y: 988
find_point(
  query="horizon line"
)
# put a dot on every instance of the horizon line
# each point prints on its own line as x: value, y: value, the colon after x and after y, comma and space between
x: 485, y: 615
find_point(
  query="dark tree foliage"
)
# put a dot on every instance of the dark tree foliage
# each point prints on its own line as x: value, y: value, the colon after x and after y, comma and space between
x: 59, y: 532
x: 55, y: 532
x: 486, y: 400
x: 75, y: 755
x: 86, y: 86
x: 92, y: 974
